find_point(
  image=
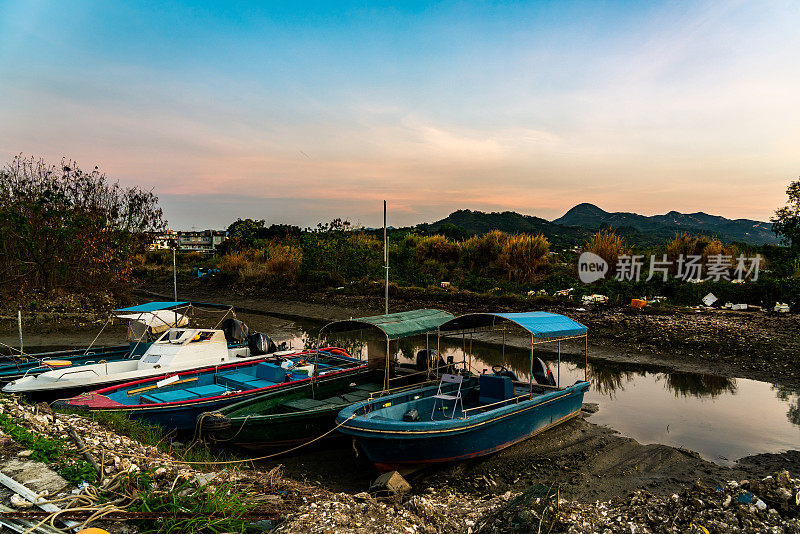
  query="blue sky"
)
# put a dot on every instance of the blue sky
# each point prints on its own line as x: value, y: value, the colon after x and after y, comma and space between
x: 301, y: 112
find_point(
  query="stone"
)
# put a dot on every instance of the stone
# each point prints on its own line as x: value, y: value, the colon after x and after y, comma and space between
x: 391, y: 482
x: 204, y: 478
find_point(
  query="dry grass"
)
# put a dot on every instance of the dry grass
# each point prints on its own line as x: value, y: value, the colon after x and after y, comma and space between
x: 520, y: 256
x: 438, y: 248
x: 608, y: 246
x: 705, y: 247
x: 271, y: 263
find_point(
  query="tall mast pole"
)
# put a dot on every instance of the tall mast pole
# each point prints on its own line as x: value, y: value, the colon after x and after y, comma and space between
x: 385, y: 261
x: 175, y: 285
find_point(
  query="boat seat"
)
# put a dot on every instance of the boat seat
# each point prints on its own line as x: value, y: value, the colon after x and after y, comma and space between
x: 356, y: 396
x: 495, y: 388
x: 298, y: 376
x: 235, y: 380
x: 302, y: 405
x: 335, y: 401
x: 270, y: 371
x: 168, y: 396
x: 368, y: 387
x: 212, y: 390
x: 257, y: 384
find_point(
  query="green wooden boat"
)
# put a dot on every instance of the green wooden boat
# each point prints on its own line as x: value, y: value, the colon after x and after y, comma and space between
x: 302, y: 413
x: 290, y: 415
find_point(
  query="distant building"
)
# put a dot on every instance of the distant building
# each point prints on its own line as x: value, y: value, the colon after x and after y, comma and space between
x: 205, y: 241
x: 165, y: 240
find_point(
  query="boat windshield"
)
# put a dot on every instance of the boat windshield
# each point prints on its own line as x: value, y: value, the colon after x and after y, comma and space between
x: 181, y: 336
x: 175, y: 336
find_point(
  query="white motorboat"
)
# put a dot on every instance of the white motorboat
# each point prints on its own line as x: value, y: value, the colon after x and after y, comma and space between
x: 178, y: 349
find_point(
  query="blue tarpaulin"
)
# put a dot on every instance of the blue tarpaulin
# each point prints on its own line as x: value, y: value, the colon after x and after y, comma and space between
x: 151, y: 307
x: 539, y: 324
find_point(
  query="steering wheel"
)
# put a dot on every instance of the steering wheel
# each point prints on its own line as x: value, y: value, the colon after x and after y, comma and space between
x: 498, y: 369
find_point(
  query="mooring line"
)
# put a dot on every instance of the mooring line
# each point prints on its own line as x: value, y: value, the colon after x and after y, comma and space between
x: 226, y: 462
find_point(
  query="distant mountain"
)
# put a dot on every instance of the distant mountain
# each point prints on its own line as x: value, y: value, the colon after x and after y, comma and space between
x: 746, y: 230
x: 583, y: 220
x: 478, y: 222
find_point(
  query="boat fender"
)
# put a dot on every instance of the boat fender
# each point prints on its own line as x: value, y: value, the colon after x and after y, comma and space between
x: 411, y: 415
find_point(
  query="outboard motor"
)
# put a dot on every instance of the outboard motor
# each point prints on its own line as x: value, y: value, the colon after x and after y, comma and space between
x: 542, y: 374
x: 425, y: 357
x: 235, y: 330
x: 260, y: 343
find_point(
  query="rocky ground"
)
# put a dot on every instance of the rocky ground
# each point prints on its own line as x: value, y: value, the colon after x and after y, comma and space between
x: 578, y: 477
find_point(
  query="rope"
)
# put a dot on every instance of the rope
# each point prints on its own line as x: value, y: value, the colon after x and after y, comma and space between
x: 97, y: 336
x: 86, y: 501
x: 21, y: 353
x: 228, y: 462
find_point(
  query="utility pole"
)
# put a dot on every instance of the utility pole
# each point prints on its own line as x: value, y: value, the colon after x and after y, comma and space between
x: 19, y: 323
x: 386, y: 260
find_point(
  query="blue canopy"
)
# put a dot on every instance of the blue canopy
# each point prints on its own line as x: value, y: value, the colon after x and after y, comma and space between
x: 151, y: 307
x: 539, y: 324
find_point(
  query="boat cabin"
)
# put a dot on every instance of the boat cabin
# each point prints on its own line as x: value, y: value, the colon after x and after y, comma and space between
x: 189, y: 346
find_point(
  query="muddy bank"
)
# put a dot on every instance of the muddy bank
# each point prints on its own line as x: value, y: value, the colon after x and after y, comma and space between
x: 606, y: 483
x: 587, y: 461
x: 752, y: 345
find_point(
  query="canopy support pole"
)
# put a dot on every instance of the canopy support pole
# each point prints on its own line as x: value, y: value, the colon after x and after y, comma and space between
x: 586, y: 354
x: 503, y: 353
x: 438, y: 354
x: 558, y: 380
x: 470, y: 353
x: 530, y: 372
x: 464, y: 347
x: 386, y: 370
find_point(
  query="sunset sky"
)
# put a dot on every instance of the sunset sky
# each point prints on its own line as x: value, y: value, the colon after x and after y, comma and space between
x: 301, y: 112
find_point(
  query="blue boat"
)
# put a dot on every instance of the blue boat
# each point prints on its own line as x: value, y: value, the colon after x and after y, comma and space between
x: 464, y: 416
x: 174, y: 400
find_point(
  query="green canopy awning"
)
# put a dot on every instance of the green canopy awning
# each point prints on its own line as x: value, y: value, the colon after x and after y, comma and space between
x: 393, y: 325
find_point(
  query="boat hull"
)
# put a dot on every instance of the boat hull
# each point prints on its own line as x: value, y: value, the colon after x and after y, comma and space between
x: 259, y: 432
x: 183, y: 415
x: 392, y: 448
x: 13, y: 368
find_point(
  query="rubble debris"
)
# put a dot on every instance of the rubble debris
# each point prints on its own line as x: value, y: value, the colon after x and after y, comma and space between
x: 594, y: 298
x: 768, y: 505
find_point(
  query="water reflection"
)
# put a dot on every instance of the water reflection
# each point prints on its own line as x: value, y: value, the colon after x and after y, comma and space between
x: 699, y: 385
x: 792, y: 397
